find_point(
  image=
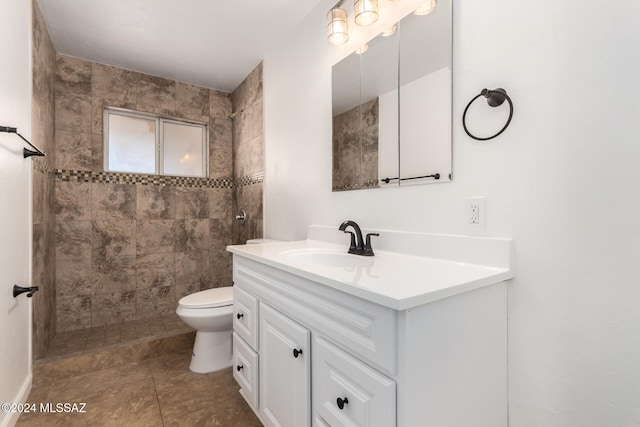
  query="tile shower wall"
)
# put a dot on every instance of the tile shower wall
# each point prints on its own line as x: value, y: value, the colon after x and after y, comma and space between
x: 355, y: 147
x: 42, y: 132
x: 129, y: 246
x: 248, y: 156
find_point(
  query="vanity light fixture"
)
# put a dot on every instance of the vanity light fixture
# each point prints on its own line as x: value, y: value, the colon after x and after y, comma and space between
x: 337, y: 28
x: 362, y: 49
x: 426, y: 8
x: 389, y: 31
x: 366, y: 11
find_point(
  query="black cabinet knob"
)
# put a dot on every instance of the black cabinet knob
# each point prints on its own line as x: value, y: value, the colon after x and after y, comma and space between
x: 341, y: 402
x: 297, y: 352
x: 239, y: 368
x: 238, y: 316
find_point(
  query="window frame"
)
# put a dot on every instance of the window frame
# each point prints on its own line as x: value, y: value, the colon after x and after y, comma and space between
x: 159, y: 140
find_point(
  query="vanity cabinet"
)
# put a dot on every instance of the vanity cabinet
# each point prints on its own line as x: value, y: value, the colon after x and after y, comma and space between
x: 324, y: 357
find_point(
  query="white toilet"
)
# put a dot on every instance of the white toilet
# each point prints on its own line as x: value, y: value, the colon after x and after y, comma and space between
x: 210, y: 313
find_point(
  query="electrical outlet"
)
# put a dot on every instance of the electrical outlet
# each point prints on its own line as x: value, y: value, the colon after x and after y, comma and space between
x: 475, y: 214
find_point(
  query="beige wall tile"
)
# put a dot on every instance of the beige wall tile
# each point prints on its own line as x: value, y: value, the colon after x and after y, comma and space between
x: 191, y: 202
x: 221, y: 203
x: 74, y: 71
x: 192, y: 102
x: 113, y: 201
x: 154, y: 202
x: 73, y: 278
x: 113, y: 275
x: 113, y: 238
x: 155, y: 270
x: 73, y: 239
x: 154, y: 92
x: 73, y: 150
x: 195, y: 237
x: 154, y: 302
x: 73, y: 313
x: 219, y: 104
x: 112, y: 308
x: 155, y: 236
x: 193, y: 267
x: 71, y: 201
x: 113, y: 83
x: 73, y: 112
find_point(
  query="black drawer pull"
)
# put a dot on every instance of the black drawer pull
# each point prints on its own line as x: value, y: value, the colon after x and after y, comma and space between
x: 297, y: 352
x: 239, y: 368
x: 341, y: 402
x: 238, y: 316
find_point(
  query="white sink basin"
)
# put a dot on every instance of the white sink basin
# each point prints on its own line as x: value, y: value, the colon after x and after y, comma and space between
x: 329, y: 259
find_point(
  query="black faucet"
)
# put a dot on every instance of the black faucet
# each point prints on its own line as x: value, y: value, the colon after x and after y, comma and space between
x: 358, y: 246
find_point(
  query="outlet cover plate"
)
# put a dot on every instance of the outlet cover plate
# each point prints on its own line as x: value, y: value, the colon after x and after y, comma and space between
x: 475, y: 215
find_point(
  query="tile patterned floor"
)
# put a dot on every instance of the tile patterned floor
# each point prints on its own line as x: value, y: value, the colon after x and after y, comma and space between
x: 158, y: 391
x: 91, y: 339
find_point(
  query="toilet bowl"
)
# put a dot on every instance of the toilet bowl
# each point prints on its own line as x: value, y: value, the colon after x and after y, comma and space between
x: 209, y: 312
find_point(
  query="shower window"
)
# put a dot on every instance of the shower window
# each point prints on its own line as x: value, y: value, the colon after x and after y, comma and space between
x: 143, y: 143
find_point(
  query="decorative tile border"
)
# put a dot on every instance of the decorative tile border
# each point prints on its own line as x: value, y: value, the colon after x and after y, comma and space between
x: 159, y: 180
x: 367, y: 184
x: 256, y: 178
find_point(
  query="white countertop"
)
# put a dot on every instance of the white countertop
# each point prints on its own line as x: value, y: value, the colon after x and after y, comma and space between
x: 395, y: 280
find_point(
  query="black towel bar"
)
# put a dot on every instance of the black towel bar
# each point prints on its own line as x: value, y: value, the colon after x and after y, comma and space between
x: 25, y: 151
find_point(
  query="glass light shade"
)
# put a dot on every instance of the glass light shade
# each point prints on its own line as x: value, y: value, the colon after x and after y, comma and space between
x: 337, y: 28
x: 425, y: 8
x: 366, y: 11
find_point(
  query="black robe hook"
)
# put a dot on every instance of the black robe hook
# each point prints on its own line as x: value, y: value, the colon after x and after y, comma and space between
x: 17, y: 290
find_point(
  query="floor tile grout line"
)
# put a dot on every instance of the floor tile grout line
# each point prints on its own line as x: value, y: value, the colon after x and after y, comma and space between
x: 155, y: 389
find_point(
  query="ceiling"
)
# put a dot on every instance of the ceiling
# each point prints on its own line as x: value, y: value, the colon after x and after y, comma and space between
x: 209, y: 43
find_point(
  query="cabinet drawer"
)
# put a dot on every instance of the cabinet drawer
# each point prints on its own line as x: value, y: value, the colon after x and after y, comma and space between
x: 245, y: 317
x: 367, y: 398
x: 245, y: 370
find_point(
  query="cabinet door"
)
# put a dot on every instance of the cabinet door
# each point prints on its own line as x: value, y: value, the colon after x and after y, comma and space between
x: 348, y: 393
x: 284, y: 370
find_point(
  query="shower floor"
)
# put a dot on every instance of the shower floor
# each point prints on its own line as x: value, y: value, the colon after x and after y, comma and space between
x: 93, y: 339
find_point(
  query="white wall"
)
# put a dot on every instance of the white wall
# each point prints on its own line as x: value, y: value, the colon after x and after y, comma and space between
x: 15, y: 173
x: 563, y: 181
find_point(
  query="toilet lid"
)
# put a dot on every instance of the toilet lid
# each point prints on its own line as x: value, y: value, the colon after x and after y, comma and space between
x: 217, y: 297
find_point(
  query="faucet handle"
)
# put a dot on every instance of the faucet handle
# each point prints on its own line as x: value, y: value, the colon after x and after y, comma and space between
x: 368, y: 250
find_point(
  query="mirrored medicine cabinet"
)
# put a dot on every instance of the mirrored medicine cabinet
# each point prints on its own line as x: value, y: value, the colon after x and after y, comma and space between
x: 391, y: 106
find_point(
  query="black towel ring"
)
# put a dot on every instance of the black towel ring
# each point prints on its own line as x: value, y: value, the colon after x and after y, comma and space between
x: 495, y: 98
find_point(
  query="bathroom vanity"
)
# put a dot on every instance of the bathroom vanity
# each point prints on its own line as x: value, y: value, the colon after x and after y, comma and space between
x: 413, y: 337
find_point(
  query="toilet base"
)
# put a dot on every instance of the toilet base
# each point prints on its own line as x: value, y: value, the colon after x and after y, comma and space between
x: 211, y: 352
